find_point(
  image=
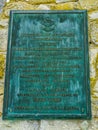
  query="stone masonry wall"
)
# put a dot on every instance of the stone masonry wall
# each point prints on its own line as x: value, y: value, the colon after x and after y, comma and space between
x: 92, y: 7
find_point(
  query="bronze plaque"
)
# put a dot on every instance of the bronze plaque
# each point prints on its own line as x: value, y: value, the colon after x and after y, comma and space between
x: 47, y: 67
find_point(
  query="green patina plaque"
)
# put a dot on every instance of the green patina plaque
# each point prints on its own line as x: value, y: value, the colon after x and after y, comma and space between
x: 47, y: 67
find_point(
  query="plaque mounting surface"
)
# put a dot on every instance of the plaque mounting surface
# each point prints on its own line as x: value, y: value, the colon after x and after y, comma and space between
x: 47, y: 67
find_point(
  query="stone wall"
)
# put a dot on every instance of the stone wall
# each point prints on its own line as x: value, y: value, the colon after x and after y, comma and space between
x: 92, y: 7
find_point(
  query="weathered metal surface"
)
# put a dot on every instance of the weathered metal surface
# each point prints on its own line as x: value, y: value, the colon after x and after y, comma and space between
x: 47, y: 68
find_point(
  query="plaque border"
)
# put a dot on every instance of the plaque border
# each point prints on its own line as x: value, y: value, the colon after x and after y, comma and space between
x: 6, y: 115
